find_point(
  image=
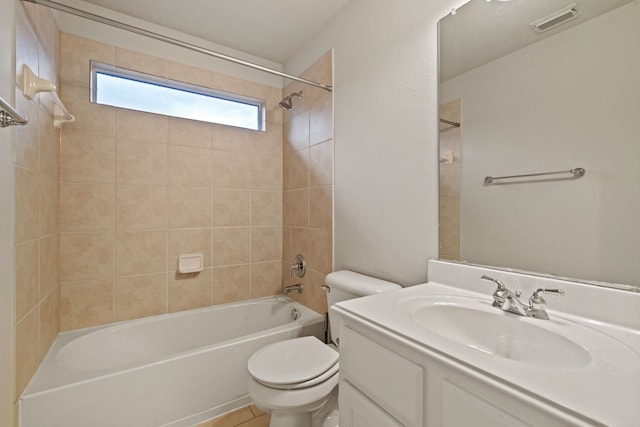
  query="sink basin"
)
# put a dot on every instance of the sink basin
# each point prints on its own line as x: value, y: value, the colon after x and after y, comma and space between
x: 478, y: 325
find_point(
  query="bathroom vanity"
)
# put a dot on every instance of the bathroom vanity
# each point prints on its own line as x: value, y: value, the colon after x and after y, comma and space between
x: 440, y: 354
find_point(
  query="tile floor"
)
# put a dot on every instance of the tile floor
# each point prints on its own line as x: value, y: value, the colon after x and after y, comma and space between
x: 249, y: 416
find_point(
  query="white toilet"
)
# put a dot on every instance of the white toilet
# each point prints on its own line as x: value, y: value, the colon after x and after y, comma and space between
x: 297, y: 380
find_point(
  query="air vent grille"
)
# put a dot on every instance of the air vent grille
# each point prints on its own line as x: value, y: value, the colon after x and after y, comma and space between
x: 548, y: 22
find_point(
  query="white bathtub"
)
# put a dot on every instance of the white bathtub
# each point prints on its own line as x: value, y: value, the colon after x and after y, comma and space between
x: 171, y: 370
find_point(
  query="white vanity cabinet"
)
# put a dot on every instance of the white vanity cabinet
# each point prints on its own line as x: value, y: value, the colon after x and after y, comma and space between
x: 387, y: 380
x: 369, y: 371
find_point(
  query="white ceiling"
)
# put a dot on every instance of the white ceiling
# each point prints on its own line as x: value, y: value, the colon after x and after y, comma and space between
x: 273, y: 29
x: 482, y: 31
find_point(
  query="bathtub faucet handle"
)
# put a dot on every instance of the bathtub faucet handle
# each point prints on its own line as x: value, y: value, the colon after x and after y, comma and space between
x: 299, y: 266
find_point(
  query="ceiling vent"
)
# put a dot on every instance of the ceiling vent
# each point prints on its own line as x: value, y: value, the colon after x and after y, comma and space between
x: 551, y: 21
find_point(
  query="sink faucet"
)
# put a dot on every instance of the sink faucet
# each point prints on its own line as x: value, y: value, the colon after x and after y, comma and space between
x: 509, y: 301
x: 538, y: 306
x: 505, y: 299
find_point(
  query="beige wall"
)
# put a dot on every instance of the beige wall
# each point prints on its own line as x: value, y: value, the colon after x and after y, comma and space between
x: 7, y: 217
x: 139, y: 189
x: 308, y: 183
x: 36, y: 162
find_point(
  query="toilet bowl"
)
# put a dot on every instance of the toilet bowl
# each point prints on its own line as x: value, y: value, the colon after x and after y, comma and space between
x: 296, y: 380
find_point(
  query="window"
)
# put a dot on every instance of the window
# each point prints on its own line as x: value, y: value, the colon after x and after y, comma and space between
x: 123, y: 88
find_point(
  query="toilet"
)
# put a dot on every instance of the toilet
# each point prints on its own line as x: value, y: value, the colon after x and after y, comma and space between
x: 296, y: 380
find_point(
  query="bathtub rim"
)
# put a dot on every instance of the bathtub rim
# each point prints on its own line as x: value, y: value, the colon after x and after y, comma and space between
x: 308, y: 317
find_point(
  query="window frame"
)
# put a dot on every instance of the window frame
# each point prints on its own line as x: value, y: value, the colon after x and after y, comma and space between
x: 124, y: 73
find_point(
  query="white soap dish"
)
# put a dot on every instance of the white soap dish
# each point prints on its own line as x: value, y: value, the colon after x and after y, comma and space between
x: 190, y: 263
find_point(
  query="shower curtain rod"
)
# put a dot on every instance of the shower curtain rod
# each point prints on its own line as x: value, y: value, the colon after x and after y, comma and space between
x: 176, y: 42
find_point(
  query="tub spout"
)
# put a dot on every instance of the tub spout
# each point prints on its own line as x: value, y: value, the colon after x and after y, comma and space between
x: 294, y: 288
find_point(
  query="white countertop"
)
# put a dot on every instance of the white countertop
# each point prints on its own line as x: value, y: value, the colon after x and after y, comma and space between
x: 606, y: 389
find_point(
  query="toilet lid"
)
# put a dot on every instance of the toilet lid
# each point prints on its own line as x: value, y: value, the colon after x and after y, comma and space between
x: 292, y: 361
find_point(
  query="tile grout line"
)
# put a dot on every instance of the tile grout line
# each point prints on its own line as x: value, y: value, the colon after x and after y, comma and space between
x: 115, y: 222
x: 211, y: 222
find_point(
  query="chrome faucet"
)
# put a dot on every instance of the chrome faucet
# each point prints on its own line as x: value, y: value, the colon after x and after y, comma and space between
x: 507, y: 300
x: 299, y: 266
x: 297, y: 288
x: 538, y: 306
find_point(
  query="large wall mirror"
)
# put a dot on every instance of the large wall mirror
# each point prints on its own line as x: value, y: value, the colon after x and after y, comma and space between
x: 537, y: 86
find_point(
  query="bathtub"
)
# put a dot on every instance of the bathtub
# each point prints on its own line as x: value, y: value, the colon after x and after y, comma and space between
x: 173, y: 370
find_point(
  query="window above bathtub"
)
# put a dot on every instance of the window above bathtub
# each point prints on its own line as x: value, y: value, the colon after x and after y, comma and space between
x: 119, y: 87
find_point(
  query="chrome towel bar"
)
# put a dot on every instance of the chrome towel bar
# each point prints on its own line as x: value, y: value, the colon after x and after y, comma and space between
x: 577, y: 172
x: 9, y: 116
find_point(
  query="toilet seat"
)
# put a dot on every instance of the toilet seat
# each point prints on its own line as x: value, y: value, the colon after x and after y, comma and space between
x: 294, y: 364
x: 314, y: 381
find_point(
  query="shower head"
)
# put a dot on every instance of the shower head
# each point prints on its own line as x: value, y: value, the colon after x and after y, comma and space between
x: 287, y: 102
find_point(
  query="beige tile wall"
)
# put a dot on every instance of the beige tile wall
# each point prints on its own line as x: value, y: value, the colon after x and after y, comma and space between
x: 308, y: 183
x: 138, y: 189
x: 106, y: 207
x: 37, y: 287
x: 450, y: 175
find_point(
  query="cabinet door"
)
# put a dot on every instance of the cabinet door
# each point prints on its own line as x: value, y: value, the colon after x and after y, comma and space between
x: 462, y: 408
x: 384, y: 376
x: 457, y: 399
x: 358, y: 411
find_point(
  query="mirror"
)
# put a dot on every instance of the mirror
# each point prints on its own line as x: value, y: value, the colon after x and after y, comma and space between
x: 537, y: 86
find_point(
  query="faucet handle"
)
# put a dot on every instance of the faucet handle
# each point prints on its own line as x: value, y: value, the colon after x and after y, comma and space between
x: 537, y: 304
x: 501, y: 294
x: 537, y: 298
x: 498, y: 283
x: 299, y: 266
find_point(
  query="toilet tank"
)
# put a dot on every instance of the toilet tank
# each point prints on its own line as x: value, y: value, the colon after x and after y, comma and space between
x: 344, y: 285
